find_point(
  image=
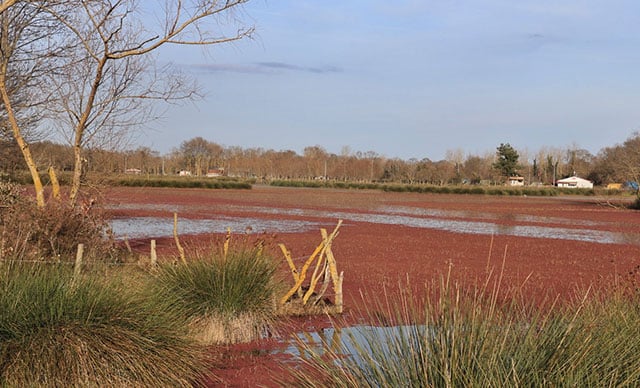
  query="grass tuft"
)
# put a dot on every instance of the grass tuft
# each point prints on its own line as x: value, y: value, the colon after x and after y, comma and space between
x: 227, y: 300
x: 59, y: 331
x: 471, y: 338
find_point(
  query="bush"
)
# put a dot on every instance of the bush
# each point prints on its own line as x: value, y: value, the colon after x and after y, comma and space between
x: 227, y: 300
x: 10, y: 194
x: 58, y: 331
x: 52, y: 232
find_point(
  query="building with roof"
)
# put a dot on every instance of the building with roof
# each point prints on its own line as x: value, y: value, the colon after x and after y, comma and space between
x: 575, y: 182
x: 515, y: 181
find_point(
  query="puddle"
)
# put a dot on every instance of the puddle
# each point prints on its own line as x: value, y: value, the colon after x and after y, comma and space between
x: 351, y: 342
x: 143, y: 227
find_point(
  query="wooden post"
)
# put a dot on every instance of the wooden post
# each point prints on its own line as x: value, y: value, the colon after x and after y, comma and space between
x: 325, y: 284
x: 315, y: 276
x: 333, y: 270
x: 55, y: 185
x: 305, y: 267
x: 323, y: 250
x: 78, y: 265
x: 338, y: 295
x: 154, y: 255
x: 225, y: 247
x: 292, y: 266
x: 326, y: 246
x: 303, y: 274
x: 175, y: 236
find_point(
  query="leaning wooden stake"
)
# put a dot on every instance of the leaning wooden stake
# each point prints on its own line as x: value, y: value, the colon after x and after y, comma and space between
x: 325, y: 284
x: 315, y: 277
x: 302, y: 276
x: 331, y: 271
x: 175, y: 236
x: 292, y: 266
x: 320, y: 249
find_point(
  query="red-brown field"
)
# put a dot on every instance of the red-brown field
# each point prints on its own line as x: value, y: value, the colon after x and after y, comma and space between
x: 544, y: 246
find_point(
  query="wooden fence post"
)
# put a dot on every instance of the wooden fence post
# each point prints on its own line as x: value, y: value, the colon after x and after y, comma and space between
x: 338, y: 293
x: 154, y: 255
x: 78, y: 265
x: 175, y: 236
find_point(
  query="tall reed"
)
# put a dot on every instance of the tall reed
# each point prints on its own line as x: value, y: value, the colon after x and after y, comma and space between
x: 464, y: 338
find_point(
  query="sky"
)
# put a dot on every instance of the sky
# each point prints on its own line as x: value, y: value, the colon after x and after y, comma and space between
x: 416, y: 79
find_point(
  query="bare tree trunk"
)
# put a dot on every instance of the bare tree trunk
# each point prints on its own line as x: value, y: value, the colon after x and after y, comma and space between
x: 80, y: 130
x: 6, y: 4
x: 9, y: 108
x: 22, y: 143
x: 77, y: 175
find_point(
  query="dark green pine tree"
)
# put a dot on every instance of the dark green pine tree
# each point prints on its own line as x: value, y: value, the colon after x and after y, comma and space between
x: 507, y: 160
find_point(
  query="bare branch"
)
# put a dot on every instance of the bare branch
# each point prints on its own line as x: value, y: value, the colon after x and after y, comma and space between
x: 6, y: 4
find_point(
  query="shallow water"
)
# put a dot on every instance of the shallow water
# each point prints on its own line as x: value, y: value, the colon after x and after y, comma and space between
x: 352, y: 341
x: 446, y: 220
x: 140, y: 227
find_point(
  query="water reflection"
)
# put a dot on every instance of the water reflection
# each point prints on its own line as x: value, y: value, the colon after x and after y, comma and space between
x: 352, y: 342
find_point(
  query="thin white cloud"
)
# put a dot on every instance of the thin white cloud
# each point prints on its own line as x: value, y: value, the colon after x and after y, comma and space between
x: 263, y: 68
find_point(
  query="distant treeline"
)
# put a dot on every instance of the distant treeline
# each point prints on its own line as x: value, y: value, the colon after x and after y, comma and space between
x: 199, y: 157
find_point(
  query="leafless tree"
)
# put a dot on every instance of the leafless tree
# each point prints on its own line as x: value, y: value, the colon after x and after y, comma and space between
x: 107, y: 75
x: 28, y: 51
x: 625, y: 160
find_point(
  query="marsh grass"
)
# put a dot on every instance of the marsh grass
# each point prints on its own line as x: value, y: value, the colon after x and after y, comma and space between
x: 61, y: 331
x: 227, y: 299
x: 459, y: 338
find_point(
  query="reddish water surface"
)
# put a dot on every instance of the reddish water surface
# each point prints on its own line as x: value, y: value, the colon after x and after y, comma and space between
x: 543, y: 246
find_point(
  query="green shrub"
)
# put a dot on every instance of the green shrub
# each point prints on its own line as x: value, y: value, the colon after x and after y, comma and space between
x: 227, y: 300
x: 57, y: 331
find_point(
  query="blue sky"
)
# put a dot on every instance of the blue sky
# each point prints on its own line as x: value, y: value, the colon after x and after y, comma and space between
x: 413, y: 79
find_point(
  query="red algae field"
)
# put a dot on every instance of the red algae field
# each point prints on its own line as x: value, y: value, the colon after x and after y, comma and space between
x: 544, y: 246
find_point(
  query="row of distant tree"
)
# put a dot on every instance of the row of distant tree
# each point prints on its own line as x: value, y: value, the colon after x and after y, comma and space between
x: 618, y: 163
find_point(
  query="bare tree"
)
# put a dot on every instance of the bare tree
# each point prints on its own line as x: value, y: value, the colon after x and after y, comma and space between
x: 108, y: 75
x: 28, y: 50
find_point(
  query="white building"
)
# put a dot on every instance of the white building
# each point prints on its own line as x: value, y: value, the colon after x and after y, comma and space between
x: 516, y: 181
x: 575, y: 182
